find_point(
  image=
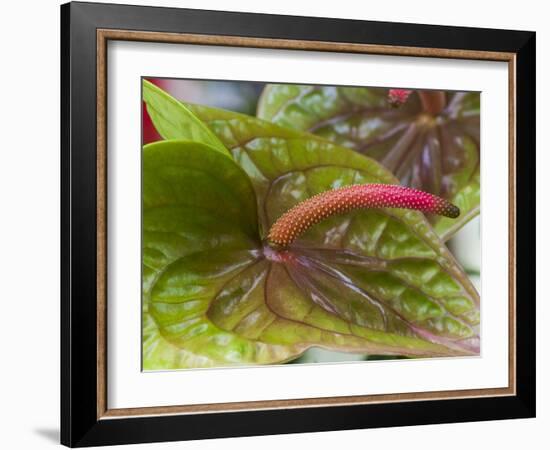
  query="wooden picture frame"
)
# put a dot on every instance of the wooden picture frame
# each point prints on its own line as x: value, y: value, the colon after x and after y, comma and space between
x: 86, y: 418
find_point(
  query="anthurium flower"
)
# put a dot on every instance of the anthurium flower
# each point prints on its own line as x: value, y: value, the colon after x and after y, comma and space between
x: 428, y: 139
x: 217, y: 292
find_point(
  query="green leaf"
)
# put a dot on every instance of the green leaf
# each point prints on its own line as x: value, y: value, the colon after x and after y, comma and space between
x: 439, y: 155
x: 376, y: 282
x: 173, y: 120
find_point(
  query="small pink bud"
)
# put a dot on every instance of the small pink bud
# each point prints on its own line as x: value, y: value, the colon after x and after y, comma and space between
x: 339, y: 201
x: 396, y: 97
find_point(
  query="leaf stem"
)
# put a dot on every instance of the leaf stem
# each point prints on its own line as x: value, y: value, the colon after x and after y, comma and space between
x: 433, y: 102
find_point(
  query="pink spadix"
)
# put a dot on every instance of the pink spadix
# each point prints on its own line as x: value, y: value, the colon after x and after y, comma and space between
x: 396, y: 97
x: 339, y: 201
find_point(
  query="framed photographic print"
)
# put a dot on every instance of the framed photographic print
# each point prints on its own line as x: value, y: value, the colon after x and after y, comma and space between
x: 277, y: 224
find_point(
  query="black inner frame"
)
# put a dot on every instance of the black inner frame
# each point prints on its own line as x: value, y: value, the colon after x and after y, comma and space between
x: 79, y: 423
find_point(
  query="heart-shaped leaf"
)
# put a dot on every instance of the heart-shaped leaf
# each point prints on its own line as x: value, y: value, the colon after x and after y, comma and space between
x: 439, y: 155
x: 215, y: 296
